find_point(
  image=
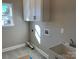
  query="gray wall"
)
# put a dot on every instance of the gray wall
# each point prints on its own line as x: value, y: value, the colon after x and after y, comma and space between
x: 63, y: 15
x: 18, y: 33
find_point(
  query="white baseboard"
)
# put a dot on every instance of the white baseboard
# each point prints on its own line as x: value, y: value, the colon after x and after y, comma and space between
x: 13, y: 47
x: 41, y: 51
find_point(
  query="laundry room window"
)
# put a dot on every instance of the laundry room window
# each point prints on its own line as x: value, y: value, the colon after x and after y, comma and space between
x: 7, y: 19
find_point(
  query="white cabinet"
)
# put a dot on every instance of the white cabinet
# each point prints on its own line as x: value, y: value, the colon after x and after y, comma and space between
x: 32, y: 10
x: 36, y: 10
x: 29, y: 9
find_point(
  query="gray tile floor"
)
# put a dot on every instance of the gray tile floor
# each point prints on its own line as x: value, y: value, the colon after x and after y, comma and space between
x: 15, y: 54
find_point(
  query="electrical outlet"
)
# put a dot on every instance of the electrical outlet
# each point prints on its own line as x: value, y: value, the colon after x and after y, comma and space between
x: 32, y: 30
x: 46, y: 31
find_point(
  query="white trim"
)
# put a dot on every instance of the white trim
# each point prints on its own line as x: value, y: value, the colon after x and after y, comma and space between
x: 41, y: 51
x: 13, y: 47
